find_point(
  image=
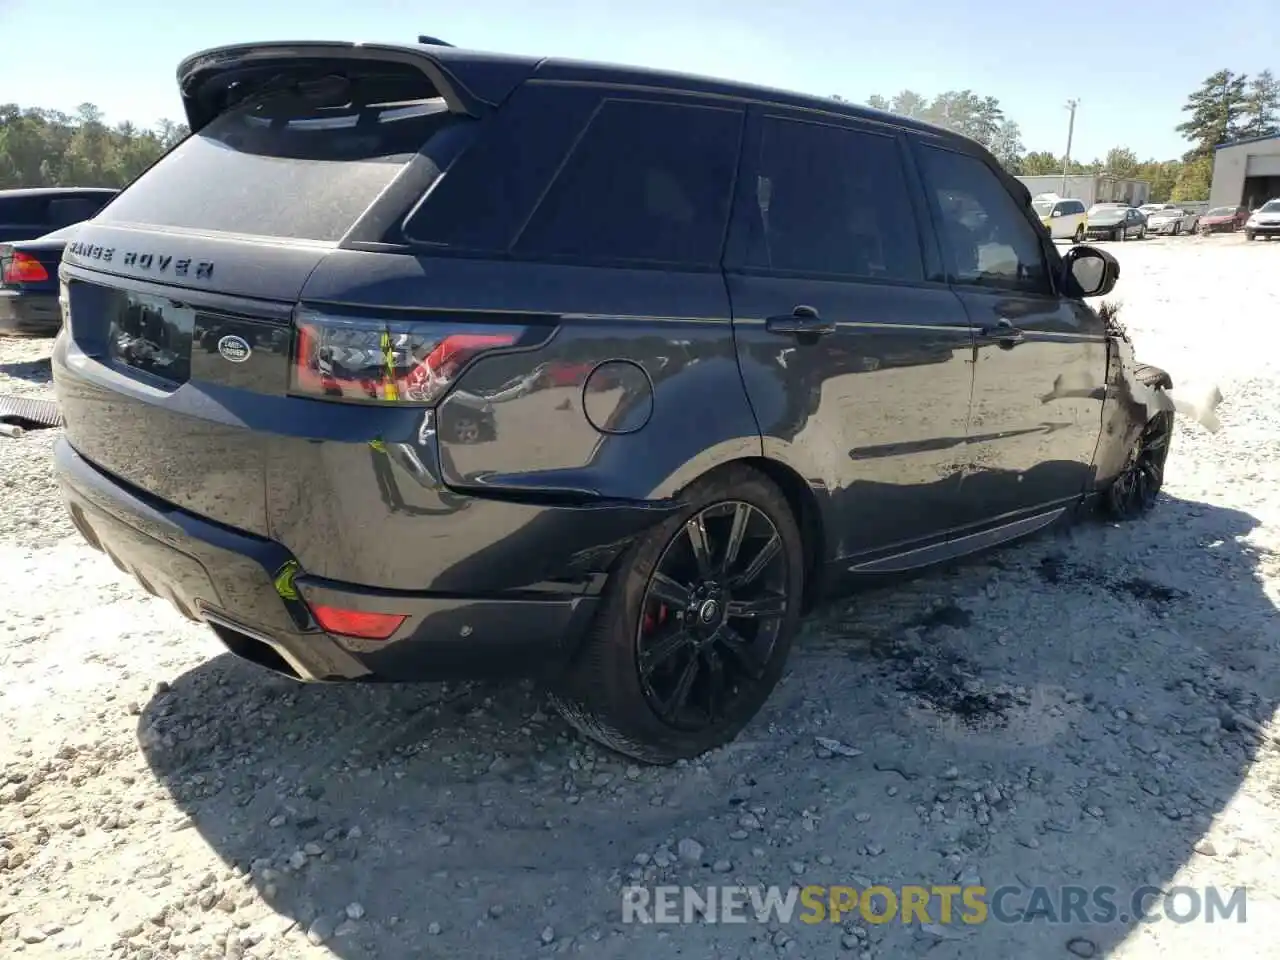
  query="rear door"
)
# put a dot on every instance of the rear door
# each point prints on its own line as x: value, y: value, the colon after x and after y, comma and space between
x: 1040, y: 359
x: 853, y: 349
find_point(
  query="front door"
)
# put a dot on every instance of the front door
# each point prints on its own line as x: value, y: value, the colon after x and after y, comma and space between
x: 1040, y: 360
x: 853, y: 349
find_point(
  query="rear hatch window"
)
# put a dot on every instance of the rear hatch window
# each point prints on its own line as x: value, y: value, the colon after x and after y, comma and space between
x: 294, y: 164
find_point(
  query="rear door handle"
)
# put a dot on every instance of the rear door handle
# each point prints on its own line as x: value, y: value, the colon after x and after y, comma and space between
x: 1004, y: 333
x: 802, y: 321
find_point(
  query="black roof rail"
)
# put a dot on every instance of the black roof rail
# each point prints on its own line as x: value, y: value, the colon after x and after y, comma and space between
x: 432, y: 41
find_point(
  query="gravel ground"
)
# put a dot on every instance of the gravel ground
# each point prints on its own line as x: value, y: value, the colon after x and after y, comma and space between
x: 1091, y: 707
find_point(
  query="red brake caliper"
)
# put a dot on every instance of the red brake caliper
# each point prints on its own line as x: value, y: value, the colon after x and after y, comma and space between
x: 650, y: 622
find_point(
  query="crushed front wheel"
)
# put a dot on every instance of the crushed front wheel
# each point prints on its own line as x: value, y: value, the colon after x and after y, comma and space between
x: 1135, y: 490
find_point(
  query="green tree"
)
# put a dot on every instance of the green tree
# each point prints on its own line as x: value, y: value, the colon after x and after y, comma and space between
x: 1006, y: 144
x: 1121, y: 162
x: 1041, y: 163
x: 49, y: 148
x: 965, y: 112
x: 1262, y: 107
x: 1193, y: 180
x: 1162, y: 175
x: 908, y: 103
x: 1217, y: 110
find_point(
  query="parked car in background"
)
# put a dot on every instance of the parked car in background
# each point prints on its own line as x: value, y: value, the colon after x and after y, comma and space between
x: 1115, y: 221
x: 1170, y: 221
x: 1264, y: 222
x: 1223, y: 220
x: 842, y: 288
x: 29, y: 285
x: 29, y: 213
x: 1064, y: 219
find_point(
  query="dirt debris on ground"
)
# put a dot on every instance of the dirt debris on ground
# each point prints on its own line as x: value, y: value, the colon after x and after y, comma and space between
x: 1089, y: 708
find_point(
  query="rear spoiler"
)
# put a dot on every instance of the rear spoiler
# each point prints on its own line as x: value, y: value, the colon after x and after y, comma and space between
x: 470, y: 83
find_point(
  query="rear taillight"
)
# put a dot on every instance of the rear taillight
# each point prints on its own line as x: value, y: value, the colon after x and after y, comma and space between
x: 23, y: 268
x: 379, y: 361
x: 357, y: 623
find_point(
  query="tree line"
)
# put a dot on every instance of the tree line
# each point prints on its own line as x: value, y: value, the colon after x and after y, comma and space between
x: 49, y: 148
x: 1226, y: 107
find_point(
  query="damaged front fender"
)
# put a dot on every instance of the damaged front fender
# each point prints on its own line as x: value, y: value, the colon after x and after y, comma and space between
x: 1136, y: 394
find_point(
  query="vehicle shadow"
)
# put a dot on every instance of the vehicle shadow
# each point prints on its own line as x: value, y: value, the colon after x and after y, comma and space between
x: 1098, y: 716
x: 33, y: 371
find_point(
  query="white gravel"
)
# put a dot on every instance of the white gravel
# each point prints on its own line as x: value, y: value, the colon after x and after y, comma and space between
x: 1088, y: 708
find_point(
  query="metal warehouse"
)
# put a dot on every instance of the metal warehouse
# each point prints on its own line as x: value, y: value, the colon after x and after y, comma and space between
x: 1091, y: 188
x: 1246, y: 173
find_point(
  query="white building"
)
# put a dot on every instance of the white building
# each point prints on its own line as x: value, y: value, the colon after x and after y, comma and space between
x: 1246, y: 173
x: 1091, y: 188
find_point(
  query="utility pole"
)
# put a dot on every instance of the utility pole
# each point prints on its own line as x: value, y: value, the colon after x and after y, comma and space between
x: 1071, y: 130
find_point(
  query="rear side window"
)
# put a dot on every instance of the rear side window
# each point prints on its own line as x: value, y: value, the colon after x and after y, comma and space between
x: 984, y: 231
x: 833, y: 200
x: 280, y: 166
x: 64, y: 211
x: 646, y: 182
x: 24, y: 210
x: 486, y: 194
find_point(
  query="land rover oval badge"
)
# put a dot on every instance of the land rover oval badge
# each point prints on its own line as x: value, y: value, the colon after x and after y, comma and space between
x: 235, y: 349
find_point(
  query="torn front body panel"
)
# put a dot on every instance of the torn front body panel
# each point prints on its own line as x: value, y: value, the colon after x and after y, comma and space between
x: 1134, y: 397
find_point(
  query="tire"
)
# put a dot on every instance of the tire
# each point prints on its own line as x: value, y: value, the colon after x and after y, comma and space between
x: 1177, y: 228
x: 1120, y: 235
x: 1142, y: 233
x: 1250, y: 235
x: 603, y: 694
x: 463, y: 428
x: 1135, y: 490
x: 1078, y: 236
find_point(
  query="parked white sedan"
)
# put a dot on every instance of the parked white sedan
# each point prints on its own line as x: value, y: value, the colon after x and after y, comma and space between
x: 1171, y: 222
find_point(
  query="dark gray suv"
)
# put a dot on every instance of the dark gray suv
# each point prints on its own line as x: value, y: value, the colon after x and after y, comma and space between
x: 415, y: 363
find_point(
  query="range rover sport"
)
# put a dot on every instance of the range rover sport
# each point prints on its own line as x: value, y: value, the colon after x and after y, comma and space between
x: 413, y: 362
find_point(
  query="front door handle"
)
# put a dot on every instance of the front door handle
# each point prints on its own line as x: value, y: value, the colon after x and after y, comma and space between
x: 802, y: 321
x: 1003, y: 333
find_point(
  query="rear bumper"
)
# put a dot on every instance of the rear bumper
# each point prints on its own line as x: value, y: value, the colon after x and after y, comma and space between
x: 29, y: 314
x: 226, y: 578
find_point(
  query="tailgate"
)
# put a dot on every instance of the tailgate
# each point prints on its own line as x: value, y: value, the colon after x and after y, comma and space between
x: 174, y: 372
x: 153, y: 385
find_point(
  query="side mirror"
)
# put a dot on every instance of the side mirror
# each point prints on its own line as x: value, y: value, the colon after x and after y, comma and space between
x: 1089, y: 272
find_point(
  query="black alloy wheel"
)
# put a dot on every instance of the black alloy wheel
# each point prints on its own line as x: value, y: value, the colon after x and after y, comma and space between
x: 711, y: 615
x: 1134, y: 491
x: 694, y: 625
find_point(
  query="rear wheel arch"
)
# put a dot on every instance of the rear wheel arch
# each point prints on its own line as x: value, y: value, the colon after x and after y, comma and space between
x: 808, y: 515
x: 801, y: 498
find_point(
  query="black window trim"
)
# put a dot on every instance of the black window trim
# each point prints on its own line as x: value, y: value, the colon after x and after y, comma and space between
x: 737, y: 251
x: 615, y: 94
x: 1048, y: 252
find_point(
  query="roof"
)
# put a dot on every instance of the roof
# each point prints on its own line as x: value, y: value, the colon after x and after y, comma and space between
x: 489, y: 77
x: 53, y: 191
x: 1241, y: 143
x: 642, y: 77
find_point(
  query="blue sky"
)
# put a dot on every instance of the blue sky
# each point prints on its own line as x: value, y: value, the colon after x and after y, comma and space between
x: 1131, y: 64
